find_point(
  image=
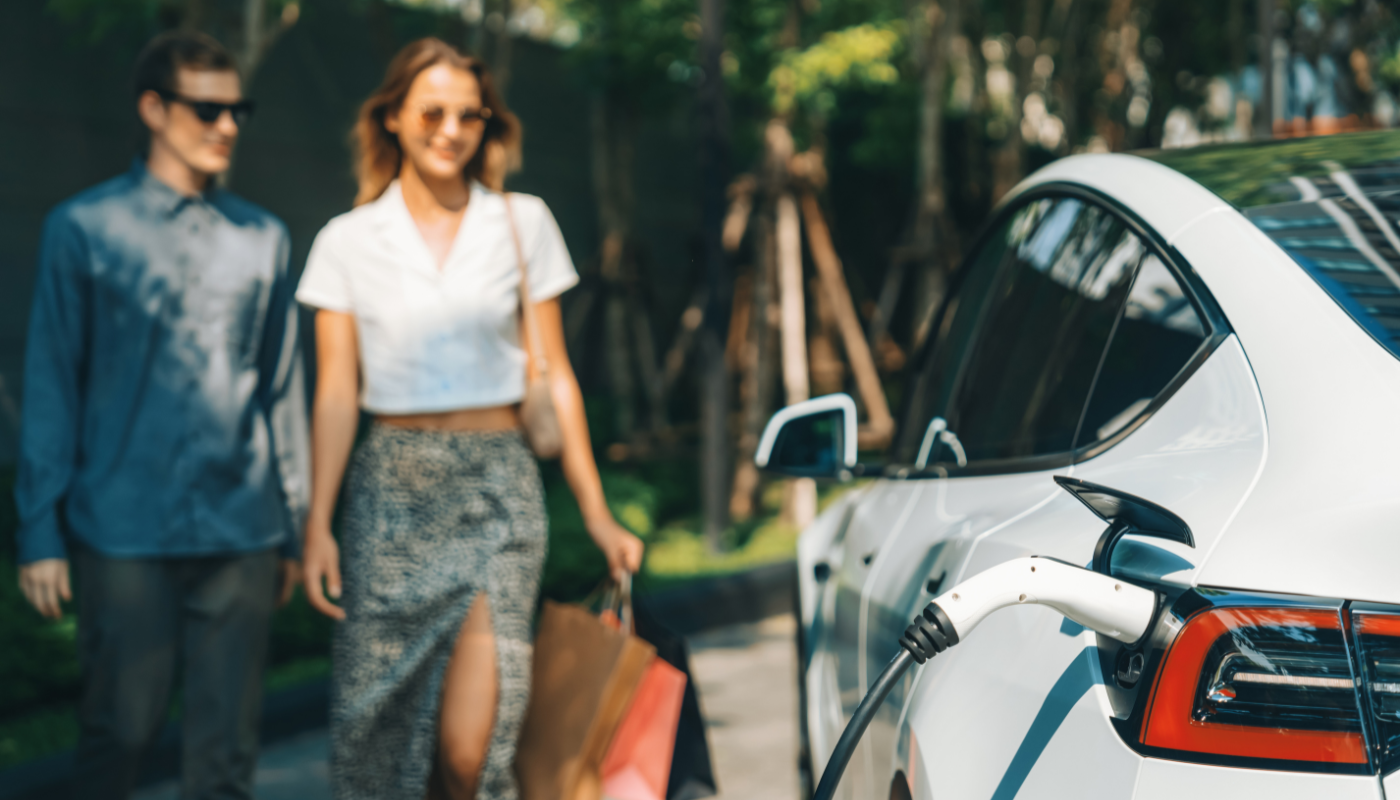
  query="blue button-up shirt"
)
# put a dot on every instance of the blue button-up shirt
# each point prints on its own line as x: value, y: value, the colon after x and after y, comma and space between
x: 164, y: 409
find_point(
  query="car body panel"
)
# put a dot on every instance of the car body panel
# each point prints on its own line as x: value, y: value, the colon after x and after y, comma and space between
x: 1391, y: 783
x: 1012, y: 734
x: 1174, y: 780
x: 1331, y: 394
x: 943, y: 531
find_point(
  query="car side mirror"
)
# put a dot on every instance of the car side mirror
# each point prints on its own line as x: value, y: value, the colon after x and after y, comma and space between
x: 812, y: 439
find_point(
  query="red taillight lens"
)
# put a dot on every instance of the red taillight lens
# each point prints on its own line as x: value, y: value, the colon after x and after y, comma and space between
x: 1378, y: 639
x: 1271, y: 683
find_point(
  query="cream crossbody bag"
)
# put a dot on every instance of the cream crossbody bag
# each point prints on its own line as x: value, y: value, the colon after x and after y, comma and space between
x: 537, y: 413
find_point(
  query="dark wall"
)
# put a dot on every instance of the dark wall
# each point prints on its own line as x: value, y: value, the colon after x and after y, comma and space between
x: 67, y: 122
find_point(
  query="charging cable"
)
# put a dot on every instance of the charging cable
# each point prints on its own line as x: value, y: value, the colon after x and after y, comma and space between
x: 1100, y: 602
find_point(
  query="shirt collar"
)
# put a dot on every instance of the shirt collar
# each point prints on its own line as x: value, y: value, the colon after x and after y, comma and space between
x: 390, y: 207
x: 165, y: 199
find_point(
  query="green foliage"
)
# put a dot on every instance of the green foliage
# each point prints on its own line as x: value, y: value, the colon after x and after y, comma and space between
x: 1390, y: 69
x: 99, y: 18
x: 38, y: 734
x: 46, y: 669
x: 641, y: 51
x: 862, y: 55
x: 643, y: 498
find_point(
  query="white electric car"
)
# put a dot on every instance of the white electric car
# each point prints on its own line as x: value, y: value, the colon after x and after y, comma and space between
x: 1204, y: 346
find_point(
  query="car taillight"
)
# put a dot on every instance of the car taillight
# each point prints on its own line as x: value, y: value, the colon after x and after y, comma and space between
x: 1260, y: 682
x: 1377, y: 633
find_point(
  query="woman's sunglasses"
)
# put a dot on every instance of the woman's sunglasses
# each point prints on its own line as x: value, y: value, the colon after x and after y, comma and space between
x: 434, y: 115
x: 209, y: 111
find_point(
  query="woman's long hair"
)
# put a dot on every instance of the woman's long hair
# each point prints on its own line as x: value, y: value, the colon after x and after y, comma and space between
x: 378, y: 155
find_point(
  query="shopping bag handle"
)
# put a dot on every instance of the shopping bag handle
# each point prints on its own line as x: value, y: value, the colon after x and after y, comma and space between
x: 616, y: 596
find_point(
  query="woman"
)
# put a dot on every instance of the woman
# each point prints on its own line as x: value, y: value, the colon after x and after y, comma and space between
x: 417, y: 298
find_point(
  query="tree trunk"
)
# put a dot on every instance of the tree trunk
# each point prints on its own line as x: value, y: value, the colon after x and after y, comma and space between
x: 1067, y: 74
x: 249, y: 34
x: 1264, y: 115
x: 756, y: 387
x: 934, y: 243
x: 714, y: 377
x: 653, y: 379
x: 612, y: 186
x: 500, y: 57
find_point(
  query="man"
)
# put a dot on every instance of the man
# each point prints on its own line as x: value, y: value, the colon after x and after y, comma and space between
x: 163, y: 445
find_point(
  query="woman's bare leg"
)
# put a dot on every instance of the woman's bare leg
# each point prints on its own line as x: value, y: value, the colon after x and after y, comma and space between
x: 469, y: 697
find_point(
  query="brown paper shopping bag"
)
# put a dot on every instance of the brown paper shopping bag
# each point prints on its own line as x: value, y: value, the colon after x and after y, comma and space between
x: 585, y: 673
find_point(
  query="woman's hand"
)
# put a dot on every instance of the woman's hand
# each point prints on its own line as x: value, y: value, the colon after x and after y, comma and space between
x: 622, y: 550
x: 320, y: 559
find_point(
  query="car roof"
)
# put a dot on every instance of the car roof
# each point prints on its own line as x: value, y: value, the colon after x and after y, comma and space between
x: 1249, y: 174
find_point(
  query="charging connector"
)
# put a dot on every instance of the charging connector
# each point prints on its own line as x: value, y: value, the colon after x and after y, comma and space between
x: 1108, y: 605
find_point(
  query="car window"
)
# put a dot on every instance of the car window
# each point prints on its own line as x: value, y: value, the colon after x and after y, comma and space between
x: 932, y: 382
x: 1343, y: 247
x: 1043, y: 332
x: 1022, y: 335
x: 1159, y: 332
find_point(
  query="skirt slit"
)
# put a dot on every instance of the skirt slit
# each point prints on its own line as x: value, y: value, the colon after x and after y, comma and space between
x: 430, y: 521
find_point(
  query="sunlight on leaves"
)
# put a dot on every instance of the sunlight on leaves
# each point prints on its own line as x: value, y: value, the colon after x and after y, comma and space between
x: 863, y: 55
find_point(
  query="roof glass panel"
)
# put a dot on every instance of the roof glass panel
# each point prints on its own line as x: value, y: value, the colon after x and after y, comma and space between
x: 1254, y: 174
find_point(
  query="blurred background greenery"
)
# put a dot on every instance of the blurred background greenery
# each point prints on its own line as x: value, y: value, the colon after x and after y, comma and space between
x: 709, y: 165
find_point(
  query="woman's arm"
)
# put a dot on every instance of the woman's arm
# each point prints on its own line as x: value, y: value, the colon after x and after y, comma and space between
x: 622, y: 549
x: 335, y: 415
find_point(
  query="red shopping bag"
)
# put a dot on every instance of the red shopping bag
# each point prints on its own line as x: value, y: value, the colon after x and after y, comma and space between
x: 638, y: 762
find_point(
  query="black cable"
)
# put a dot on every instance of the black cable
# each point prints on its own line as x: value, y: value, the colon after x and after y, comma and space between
x: 846, y: 746
x: 930, y: 634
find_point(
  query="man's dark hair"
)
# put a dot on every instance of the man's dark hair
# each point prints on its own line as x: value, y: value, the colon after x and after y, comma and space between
x: 165, y: 55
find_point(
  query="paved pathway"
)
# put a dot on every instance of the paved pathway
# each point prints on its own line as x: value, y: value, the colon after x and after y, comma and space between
x: 745, y: 675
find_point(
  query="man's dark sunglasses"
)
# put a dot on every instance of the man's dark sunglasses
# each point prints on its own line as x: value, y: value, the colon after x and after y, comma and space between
x: 209, y: 111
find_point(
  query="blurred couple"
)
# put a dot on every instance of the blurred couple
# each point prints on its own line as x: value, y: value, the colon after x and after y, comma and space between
x: 165, y: 454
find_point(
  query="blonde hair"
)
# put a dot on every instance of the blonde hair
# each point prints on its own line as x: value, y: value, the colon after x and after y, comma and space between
x: 378, y: 155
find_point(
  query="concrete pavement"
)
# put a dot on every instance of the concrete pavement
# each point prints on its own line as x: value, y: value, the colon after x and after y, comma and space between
x: 745, y: 675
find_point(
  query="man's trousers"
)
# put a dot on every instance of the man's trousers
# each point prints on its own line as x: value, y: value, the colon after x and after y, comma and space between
x: 141, y: 619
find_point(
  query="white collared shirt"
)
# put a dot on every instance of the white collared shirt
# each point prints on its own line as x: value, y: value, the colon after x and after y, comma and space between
x: 435, y: 339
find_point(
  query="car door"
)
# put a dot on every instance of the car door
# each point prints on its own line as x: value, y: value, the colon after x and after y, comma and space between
x: 833, y: 674
x: 997, y: 407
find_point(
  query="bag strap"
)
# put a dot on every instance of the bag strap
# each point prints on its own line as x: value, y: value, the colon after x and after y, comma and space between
x: 615, y: 596
x: 527, y: 309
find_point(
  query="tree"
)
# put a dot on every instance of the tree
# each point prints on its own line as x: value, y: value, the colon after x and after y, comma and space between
x: 247, y: 27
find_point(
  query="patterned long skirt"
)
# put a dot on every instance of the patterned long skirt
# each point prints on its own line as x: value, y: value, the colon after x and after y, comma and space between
x: 430, y: 519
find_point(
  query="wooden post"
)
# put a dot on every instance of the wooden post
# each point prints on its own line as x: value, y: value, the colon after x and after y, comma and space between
x: 880, y: 428
x: 802, y: 493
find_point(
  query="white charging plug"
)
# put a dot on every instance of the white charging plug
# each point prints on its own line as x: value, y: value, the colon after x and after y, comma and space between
x: 1113, y: 607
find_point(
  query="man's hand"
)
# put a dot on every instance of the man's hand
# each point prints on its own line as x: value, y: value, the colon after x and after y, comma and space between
x: 44, y: 583
x: 288, y: 576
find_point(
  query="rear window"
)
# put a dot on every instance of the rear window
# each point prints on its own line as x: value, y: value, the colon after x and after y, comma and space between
x: 1331, y: 202
x: 1350, y: 246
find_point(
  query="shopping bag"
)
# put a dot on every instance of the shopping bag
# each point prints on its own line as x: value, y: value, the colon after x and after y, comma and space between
x: 692, y: 774
x: 638, y: 763
x: 583, y: 680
